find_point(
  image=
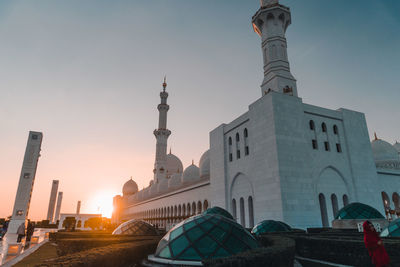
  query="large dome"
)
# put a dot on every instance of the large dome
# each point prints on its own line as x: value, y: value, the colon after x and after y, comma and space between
x: 191, y: 174
x: 270, y: 226
x: 383, y: 151
x: 358, y: 211
x: 135, y: 227
x: 204, y: 165
x: 204, y: 236
x: 129, y: 188
x: 174, y: 164
x: 175, y: 181
x: 219, y: 211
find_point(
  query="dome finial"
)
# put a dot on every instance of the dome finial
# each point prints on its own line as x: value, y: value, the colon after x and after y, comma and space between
x: 376, y: 137
x: 165, y: 83
x: 268, y: 2
x: 192, y: 161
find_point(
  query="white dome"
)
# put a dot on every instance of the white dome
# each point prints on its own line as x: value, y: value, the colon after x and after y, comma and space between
x: 204, y: 165
x: 174, y: 165
x: 175, y: 181
x: 129, y: 188
x: 191, y: 174
x: 383, y: 151
x: 162, y: 186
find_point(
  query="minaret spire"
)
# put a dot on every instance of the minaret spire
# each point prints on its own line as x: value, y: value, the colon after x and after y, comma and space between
x: 271, y: 22
x: 161, y: 134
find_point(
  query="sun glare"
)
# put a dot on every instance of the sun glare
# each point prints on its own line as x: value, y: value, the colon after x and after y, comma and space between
x: 102, y: 203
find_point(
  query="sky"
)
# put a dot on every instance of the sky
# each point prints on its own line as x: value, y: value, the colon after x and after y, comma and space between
x: 88, y: 75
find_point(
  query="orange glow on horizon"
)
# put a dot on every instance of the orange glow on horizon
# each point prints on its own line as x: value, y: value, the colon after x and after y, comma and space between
x: 102, y: 203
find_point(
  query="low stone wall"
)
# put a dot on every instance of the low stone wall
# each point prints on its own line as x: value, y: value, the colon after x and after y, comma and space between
x: 276, y: 251
x: 348, y: 250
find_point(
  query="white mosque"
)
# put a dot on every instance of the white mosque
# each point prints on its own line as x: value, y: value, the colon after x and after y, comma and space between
x: 283, y: 159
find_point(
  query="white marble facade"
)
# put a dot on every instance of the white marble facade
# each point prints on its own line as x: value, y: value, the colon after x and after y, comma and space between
x: 283, y: 159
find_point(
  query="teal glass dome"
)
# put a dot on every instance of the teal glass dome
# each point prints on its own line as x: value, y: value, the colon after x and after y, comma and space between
x: 393, y: 230
x: 270, y: 226
x: 135, y: 227
x: 358, y: 211
x: 219, y: 211
x: 204, y: 236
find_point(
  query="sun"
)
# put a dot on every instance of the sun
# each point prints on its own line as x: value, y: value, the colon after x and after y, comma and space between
x: 102, y: 202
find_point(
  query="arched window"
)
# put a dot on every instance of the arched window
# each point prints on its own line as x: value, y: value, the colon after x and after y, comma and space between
x: 246, y: 143
x: 242, y: 215
x: 193, y: 208
x: 237, y: 146
x: 396, y: 201
x: 335, y: 204
x: 205, y: 205
x: 323, y: 126
x: 324, y: 213
x: 335, y: 129
x: 168, y: 212
x: 345, y: 200
x: 251, y: 212
x: 188, y: 210
x: 230, y: 148
x: 234, y: 209
x: 179, y: 210
x: 386, y: 201
x: 312, y: 125
x: 183, y: 210
x: 199, y: 207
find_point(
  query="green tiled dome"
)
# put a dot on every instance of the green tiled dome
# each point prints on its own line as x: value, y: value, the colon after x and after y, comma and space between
x: 393, y: 229
x: 220, y: 211
x: 358, y: 211
x: 204, y: 236
x: 270, y: 226
x: 135, y: 227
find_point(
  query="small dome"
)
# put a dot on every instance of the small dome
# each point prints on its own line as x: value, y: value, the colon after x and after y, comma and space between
x: 204, y: 165
x: 191, y: 174
x: 270, y: 226
x: 129, y: 188
x: 135, y: 227
x: 219, y: 211
x: 358, y: 211
x: 162, y: 186
x: 175, y: 181
x: 383, y: 151
x: 174, y: 164
x: 204, y: 236
x: 393, y: 230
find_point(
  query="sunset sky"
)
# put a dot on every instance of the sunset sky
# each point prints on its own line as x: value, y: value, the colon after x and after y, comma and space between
x: 88, y: 74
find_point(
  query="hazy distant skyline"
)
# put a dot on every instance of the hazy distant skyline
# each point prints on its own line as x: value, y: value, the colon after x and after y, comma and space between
x: 88, y: 75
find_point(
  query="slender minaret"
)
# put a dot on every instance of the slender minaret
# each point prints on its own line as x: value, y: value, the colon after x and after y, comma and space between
x: 271, y: 22
x: 26, y: 181
x: 78, y: 207
x: 52, y: 201
x: 58, y: 207
x: 161, y: 134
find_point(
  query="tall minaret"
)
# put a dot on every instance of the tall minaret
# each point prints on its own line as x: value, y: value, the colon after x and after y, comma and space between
x: 271, y: 22
x: 161, y: 134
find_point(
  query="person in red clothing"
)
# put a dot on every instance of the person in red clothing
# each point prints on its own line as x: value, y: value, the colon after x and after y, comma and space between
x: 375, y: 247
